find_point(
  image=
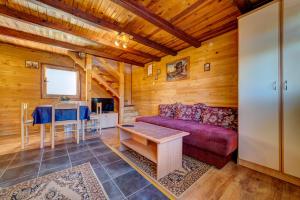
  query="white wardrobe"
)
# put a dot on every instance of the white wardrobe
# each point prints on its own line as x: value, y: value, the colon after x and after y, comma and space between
x: 269, y: 87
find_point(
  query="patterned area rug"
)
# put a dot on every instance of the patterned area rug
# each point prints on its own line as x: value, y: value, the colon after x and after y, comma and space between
x: 75, y: 183
x: 176, y: 182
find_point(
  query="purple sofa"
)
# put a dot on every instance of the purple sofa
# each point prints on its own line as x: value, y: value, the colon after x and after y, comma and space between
x: 209, y: 141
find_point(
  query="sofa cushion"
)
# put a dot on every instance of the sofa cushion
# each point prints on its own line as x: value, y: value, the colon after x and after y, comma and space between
x: 197, y: 111
x: 167, y: 110
x: 184, y: 112
x: 218, y: 116
x: 211, y: 138
x: 189, y: 112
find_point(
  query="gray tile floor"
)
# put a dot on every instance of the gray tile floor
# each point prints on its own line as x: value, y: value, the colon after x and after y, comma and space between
x: 119, y: 179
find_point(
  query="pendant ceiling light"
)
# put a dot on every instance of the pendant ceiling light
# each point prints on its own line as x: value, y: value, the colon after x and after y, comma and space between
x: 122, y: 40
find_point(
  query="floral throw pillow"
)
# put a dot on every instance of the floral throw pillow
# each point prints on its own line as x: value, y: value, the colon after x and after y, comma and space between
x: 225, y: 117
x: 184, y: 112
x: 167, y: 110
x: 197, y: 111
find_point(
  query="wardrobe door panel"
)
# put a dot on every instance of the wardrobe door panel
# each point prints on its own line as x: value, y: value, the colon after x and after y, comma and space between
x: 291, y: 90
x: 258, y: 87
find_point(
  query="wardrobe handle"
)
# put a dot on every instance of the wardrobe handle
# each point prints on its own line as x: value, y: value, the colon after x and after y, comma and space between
x: 274, y: 85
x: 285, y: 87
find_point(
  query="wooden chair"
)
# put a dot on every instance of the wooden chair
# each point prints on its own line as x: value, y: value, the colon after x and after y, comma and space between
x: 96, y: 117
x: 82, y: 124
x: 43, y: 128
x: 55, y: 123
x: 25, y: 122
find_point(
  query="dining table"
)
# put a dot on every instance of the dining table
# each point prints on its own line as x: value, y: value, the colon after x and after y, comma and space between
x: 42, y: 115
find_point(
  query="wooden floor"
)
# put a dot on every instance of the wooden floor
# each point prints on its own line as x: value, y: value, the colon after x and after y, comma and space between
x: 229, y: 183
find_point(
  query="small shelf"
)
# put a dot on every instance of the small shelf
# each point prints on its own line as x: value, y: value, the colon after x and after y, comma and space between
x: 149, y: 151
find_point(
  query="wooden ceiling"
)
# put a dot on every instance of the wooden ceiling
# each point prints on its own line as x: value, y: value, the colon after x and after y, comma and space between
x: 158, y: 27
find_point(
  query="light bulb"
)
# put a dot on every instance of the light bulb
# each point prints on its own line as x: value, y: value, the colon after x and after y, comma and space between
x: 117, y: 43
x: 124, y: 45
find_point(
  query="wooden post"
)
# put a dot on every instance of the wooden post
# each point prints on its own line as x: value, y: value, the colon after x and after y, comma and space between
x: 88, y: 79
x: 121, y: 92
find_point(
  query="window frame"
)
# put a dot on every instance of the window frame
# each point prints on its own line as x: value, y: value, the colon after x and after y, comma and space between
x: 44, y: 82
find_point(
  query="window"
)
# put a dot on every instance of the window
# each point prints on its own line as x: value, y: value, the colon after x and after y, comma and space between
x: 60, y: 81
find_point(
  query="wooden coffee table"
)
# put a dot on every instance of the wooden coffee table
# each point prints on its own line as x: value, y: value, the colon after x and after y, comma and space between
x: 161, y: 145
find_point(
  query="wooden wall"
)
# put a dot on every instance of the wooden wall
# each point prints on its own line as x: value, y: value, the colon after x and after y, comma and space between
x: 19, y: 84
x: 217, y: 87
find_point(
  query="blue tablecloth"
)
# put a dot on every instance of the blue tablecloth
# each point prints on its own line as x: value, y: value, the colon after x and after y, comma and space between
x: 43, y: 114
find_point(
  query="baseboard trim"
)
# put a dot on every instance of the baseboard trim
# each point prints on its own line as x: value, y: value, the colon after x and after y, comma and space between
x: 270, y: 172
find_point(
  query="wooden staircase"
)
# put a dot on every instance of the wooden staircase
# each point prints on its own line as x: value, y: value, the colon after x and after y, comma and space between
x: 107, y: 76
x: 107, y: 84
x: 130, y: 114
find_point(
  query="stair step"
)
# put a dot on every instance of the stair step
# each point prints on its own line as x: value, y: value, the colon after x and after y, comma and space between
x: 131, y: 108
x: 129, y: 120
x: 130, y: 114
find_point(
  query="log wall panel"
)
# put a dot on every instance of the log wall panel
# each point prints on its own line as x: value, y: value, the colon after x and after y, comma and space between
x: 20, y: 84
x: 217, y: 87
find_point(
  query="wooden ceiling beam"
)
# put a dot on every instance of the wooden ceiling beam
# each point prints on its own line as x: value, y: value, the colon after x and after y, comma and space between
x: 46, y: 40
x: 99, y: 22
x: 146, y: 14
x: 4, y: 10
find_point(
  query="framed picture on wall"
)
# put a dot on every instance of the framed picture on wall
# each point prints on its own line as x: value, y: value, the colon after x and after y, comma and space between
x: 31, y: 64
x: 150, y: 69
x: 178, y: 70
